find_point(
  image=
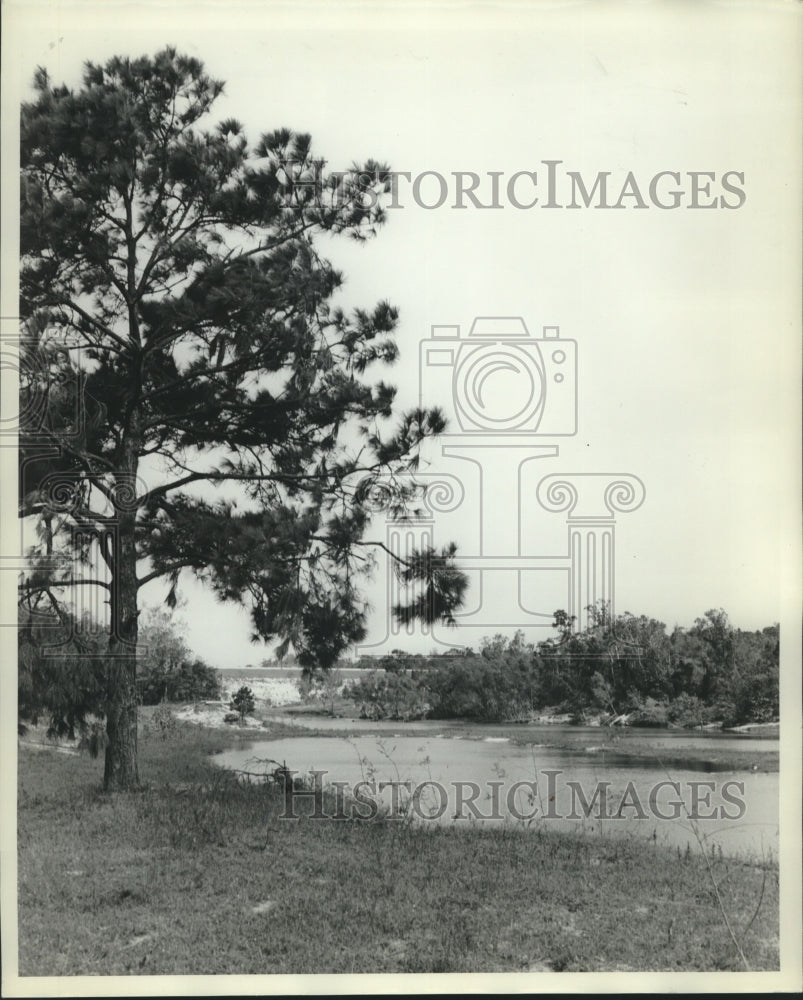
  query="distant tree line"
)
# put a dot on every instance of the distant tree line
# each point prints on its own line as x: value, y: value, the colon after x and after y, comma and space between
x: 624, y: 667
x: 618, y: 666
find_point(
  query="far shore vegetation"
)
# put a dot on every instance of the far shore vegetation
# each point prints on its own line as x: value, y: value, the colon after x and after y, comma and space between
x: 621, y: 670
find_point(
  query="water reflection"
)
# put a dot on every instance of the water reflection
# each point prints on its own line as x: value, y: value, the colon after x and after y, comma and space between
x: 542, y: 786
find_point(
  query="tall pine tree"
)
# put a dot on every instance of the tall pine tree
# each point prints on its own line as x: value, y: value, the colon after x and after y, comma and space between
x: 179, y: 335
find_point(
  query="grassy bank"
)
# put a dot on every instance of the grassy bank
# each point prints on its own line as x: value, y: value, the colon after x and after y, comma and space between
x: 197, y: 874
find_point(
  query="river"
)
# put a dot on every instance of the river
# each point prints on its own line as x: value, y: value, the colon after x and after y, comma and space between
x: 475, y: 775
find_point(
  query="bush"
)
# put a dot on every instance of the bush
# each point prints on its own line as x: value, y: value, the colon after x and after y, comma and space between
x: 322, y: 687
x: 168, y: 671
x: 482, y: 689
x: 61, y: 672
x: 651, y: 713
x: 195, y: 681
x: 162, y: 722
x: 688, y: 711
x: 383, y: 695
x: 189, y: 681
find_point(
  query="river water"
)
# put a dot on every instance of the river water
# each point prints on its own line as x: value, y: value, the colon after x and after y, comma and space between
x: 454, y: 773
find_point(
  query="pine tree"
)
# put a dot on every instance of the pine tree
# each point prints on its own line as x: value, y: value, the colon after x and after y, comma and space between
x: 179, y: 337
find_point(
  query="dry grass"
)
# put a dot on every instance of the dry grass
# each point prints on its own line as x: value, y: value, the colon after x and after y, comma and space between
x: 197, y: 874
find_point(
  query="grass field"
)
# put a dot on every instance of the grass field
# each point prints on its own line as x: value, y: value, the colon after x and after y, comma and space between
x: 198, y: 874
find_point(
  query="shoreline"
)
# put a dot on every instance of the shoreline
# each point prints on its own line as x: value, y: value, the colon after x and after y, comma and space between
x: 712, y: 749
x: 629, y: 744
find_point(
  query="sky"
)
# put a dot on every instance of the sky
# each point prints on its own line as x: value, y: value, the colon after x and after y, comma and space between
x: 686, y: 321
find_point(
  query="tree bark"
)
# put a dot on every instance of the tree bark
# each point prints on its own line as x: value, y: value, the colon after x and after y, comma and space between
x: 121, y: 770
x: 121, y: 710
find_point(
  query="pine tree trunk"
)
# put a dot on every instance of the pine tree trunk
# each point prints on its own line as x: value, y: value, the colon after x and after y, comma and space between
x: 121, y: 707
x: 121, y: 711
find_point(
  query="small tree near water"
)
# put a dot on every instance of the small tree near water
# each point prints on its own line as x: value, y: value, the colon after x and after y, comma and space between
x: 323, y: 686
x: 243, y: 702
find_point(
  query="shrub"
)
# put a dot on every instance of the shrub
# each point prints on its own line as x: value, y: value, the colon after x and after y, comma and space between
x: 482, y: 689
x: 195, y: 681
x: 168, y: 671
x: 383, y: 695
x: 189, y: 681
x: 61, y: 671
x: 321, y: 687
x: 651, y: 713
x: 688, y: 710
x: 162, y: 722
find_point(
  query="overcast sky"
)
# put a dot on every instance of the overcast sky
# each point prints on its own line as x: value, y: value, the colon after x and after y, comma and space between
x: 686, y: 321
